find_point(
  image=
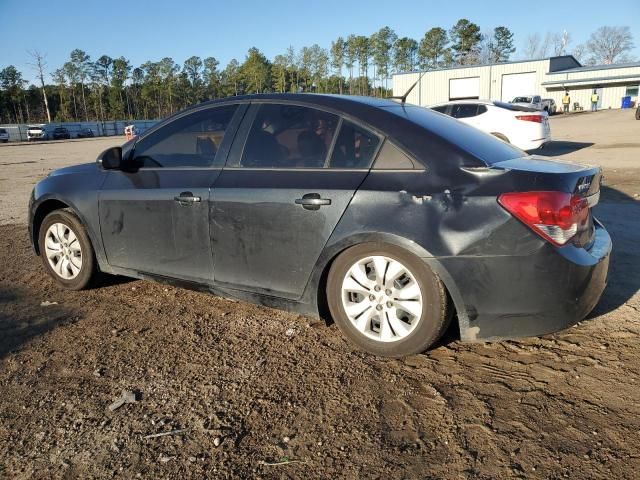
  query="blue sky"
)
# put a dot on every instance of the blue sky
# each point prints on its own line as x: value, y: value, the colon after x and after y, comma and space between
x: 143, y: 30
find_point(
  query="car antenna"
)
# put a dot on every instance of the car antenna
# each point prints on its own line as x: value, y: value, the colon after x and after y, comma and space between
x: 403, y: 98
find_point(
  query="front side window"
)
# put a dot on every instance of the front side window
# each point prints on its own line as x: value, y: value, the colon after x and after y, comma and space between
x: 289, y: 136
x: 189, y: 141
x: 464, y: 110
x: 355, y: 147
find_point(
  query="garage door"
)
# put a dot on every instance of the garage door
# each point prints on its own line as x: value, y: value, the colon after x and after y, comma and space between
x: 518, y: 84
x: 464, y: 88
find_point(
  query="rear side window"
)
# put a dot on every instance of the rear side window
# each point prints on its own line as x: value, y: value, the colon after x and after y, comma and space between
x: 289, y: 136
x: 355, y: 147
x: 464, y: 110
x: 189, y: 141
x: 441, y: 109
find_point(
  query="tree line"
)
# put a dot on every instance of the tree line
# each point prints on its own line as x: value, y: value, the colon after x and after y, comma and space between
x: 107, y: 88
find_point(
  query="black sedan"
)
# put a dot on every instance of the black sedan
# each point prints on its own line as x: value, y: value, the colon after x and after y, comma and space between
x: 60, y: 133
x: 386, y: 217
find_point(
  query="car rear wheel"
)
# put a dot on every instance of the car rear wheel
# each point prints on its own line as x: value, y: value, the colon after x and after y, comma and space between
x: 386, y: 300
x: 66, y: 251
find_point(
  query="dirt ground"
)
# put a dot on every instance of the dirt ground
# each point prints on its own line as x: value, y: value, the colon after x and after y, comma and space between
x: 242, y: 387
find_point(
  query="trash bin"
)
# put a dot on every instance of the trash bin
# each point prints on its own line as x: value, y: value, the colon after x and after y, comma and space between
x: 626, y: 101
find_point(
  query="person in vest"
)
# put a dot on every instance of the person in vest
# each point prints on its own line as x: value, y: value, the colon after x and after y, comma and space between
x: 566, y: 100
x: 594, y: 101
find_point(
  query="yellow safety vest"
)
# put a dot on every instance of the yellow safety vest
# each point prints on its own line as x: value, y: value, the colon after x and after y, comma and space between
x: 594, y: 98
x: 566, y: 99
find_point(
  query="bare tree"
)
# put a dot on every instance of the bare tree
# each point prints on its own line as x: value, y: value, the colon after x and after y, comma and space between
x: 560, y: 43
x: 531, y: 46
x: 610, y: 45
x: 39, y: 65
x: 579, y: 52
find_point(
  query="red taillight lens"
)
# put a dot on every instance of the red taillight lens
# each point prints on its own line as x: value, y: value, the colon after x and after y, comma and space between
x: 530, y: 118
x: 556, y: 216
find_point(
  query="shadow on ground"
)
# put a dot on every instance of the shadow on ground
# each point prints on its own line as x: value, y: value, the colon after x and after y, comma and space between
x: 22, y: 319
x: 557, y: 148
x: 620, y: 214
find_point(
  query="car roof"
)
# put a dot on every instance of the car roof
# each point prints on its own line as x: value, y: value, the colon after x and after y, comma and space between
x: 408, y: 126
x: 471, y: 102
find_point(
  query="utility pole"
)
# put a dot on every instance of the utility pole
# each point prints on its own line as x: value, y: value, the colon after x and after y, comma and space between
x: 39, y: 66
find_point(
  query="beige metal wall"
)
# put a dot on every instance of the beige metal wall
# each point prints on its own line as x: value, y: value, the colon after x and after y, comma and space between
x: 434, y: 86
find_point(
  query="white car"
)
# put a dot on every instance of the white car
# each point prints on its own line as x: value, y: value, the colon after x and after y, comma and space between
x: 36, y: 132
x: 524, y: 127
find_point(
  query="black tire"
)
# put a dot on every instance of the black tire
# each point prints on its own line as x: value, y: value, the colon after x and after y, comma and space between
x: 88, y: 266
x: 432, y: 323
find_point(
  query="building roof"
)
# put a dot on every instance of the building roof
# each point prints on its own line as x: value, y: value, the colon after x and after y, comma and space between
x: 589, y: 68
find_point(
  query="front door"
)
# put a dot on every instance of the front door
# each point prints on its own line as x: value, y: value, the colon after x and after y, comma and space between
x: 154, y: 217
x: 282, y: 193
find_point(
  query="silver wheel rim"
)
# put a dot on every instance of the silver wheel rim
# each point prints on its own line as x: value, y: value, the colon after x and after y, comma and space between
x: 382, y: 298
x: 63, y: 251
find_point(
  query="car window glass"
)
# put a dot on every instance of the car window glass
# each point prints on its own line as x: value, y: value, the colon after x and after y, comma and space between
x: 189, y: 141
x: 354, y: 148
x: 441, y: 108
x: 289, y: 136
x: 481, y: 109
x: 464, y: 110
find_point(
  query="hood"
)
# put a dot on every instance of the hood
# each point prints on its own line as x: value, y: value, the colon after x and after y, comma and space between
x: 86, y: 168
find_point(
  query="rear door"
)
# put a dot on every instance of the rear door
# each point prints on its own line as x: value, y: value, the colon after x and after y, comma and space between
x: 155, y: 217
x: 289, y: 178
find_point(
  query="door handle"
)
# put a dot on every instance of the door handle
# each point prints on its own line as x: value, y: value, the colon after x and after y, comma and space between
x: 312, y: 201
x: 186, y: 198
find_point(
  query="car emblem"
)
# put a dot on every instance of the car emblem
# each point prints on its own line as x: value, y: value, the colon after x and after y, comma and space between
x: 583, y: 185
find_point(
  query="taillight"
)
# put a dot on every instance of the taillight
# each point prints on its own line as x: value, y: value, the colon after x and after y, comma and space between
x: 530, y: 118
x: 555, y: 216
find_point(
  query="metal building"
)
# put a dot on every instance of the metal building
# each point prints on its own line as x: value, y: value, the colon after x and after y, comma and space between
x: 547, y: 77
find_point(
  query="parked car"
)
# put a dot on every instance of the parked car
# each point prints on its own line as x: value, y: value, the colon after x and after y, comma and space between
x: 524, y: 127
x: 390, y: 216
x: 638, y: 113
x: 60, y: 133
x: 531, y: 101
x: 36, y: 132
x: 549, y: 105
x: 4, y: 135
x: 85, y: 133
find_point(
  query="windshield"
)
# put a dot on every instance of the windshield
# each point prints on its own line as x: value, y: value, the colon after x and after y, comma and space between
x: 522, y: 100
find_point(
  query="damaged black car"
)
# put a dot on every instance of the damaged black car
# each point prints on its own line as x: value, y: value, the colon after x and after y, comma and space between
x: 388, y: 218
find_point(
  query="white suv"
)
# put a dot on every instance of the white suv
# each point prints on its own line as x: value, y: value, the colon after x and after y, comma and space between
x: 36, y: 132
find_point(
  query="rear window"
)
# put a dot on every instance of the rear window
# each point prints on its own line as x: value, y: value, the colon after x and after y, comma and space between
x: 2, y: 130
x: 479, y: 144
x: 522, y: 100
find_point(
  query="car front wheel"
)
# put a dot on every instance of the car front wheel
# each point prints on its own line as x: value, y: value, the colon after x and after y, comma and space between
x: 386, y: 300
x: 66, y: 251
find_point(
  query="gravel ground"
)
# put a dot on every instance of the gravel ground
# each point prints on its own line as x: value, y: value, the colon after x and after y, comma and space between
x: 245, y: 391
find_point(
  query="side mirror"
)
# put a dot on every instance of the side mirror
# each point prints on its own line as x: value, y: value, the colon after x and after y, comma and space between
x: 111, y: 158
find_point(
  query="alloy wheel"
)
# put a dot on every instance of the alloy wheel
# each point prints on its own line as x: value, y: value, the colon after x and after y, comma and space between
x: 382, y: 298
x: 63, y: 251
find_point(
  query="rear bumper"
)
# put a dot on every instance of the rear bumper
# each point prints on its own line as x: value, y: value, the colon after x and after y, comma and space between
x: 518, y: 296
